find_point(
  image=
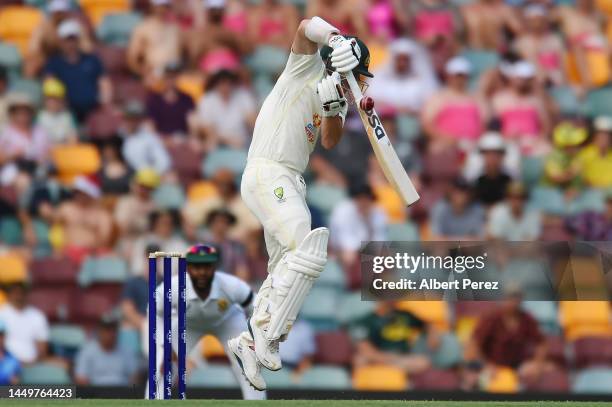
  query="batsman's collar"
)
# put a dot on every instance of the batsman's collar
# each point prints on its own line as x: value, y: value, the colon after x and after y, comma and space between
x: 202, y: 254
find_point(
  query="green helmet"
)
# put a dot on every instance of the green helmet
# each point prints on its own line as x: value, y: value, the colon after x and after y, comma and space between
x: 202, y: 254
x: 364, y: 60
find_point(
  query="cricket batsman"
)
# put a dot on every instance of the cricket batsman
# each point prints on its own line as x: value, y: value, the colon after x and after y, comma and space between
x: 217, y: 304
x: 306, y: 103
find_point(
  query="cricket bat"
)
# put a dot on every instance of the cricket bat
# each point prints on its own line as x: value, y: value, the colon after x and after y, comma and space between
x: 383, y: 150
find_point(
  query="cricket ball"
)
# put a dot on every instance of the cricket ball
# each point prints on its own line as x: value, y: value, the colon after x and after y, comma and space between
x: 366, y: 104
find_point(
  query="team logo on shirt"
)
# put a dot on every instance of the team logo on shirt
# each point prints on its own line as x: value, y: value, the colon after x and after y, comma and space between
x: 222, y: 304
x: 279, y: 193
x: 310, y: 132
x: 316, y: 120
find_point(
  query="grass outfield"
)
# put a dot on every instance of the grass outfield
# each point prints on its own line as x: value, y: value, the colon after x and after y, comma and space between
x: 295, y: 403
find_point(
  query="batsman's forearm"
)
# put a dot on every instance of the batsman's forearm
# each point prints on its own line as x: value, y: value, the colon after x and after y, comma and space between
x: 331, y: 131
x: 318, y: 30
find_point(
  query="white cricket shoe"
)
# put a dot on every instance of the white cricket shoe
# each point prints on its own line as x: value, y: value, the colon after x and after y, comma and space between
x: 266, y: 351
x: 245, y: 356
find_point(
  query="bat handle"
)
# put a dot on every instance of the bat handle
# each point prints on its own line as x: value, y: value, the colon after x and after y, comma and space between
x: 355, y: 89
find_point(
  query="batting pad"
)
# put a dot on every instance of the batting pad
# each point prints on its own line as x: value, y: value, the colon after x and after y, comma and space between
x: 304, y: 266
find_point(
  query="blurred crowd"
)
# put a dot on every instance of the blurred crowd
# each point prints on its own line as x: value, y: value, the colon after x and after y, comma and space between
x: 124, y: 127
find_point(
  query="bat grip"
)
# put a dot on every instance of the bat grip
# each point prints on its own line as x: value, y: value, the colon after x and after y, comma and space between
x: 355, y: 89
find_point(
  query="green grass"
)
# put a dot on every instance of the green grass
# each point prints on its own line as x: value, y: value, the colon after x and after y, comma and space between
x: 295, y: 403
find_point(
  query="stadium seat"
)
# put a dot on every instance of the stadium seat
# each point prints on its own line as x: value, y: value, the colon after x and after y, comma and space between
x: 403, y: 232
x: 103, y: 270
x: 113, y: 59
x: 320, y: 308
x: 325, y: 378
x: 103, y: 123
x: 281, y: 379
x: 43, y: 246
x: 10, y: 231
x: 201, y: 190
x: 30, y: 87
x: 545, y: 312
x: 481, y: 61
x: 435, y: 379
x: 379, y: 378
x: 10, y: 58
x: 325, y: 197
x: 433, y: 312
x: 566, y: 100
x: 17, y: 23
x: 66, y: 339
x: 391, y: 202
x: 585, y: 318
x: 44, y: 373
x: 74, y: 160
x: 332, y: 276
x: 333, y: 348
x: 556, y: 346
x: 187, y: 162
x: 555, y: 381
x: 169, y: 196
x: 96, y: 10
x: 593, y: 381
x: 191, y: 84
x: 88, y: 306
x: 598, y: 102
x: 129, y: 340
x: 234, y: 160
x: 448, y: 355
x: 127, y: 88
x: 605, y: 6
x: 379, y: 54
x: 212, y: 376
x: 262, y: 85
x: 596, y: 62
x: 351, y: 308
x: 54, y: 302
x: 503, y: 380
x: 51, y: 271
x: 116, y: 28
x: 267, y: 60
x: 592, y: 351
x: 408, y: 127
x: 212, y: 349
x: 13, y: 269
x: 548, y: 200
x: 531, y: 170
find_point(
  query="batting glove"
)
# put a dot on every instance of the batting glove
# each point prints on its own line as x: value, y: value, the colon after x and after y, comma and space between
x: 345, y: 55
x: 332, y: 97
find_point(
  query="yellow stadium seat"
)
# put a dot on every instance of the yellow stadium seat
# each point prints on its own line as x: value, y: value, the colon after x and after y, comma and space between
x: 2, y: 298
x: 191, y: 84
x: 598, y: 65
x: 57, y: 239
x: 12, y: 269
x: 379, y: 53
x: 211, y: 347
x: 17, y: 23
x: 74, y: 160
x: 389, y: 200
x: 434, y: 312
x: 605, y: 6
x: 585, y: 318
x: 464, y: 328
x: 379, y: 377
x: 201, y: 190
x: 97, y: 9
x: 503, y: 380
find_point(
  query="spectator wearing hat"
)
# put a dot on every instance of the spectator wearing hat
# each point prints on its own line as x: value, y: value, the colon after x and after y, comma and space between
x: 10, y: 368
x: 490, y: 187
x: 45, y: 40
x: 3, y: 96
x: 102, y: 362
x: 405, y: 81
x: 521, y: 110
x: 596, y: 157
x: 132, y: 211
x: 492, y: 142
x: 511, y: 220
x: 26, y: 328
x: 155, y: 42
x: 454, y: 116
x: 87, y: 226
x: 227, y: 195
x: 142, y: 147
x: 562, y: 167
x: 226, y: 113
x: 355, y: 220
x: 81, y: 72
x: 233, y: 256
x: 22, y: 141
x: 541, y: 46
x: 54, y: 118
x: 170, y: 108
x: 457, y: 216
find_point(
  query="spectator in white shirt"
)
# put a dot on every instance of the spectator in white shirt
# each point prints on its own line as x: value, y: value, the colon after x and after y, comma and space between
x: 142, y: 147
x: 356, y: 220
x: 511, y: 220
x: 226, y: 113
x: 406, y: 81
x: 27, y: 329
